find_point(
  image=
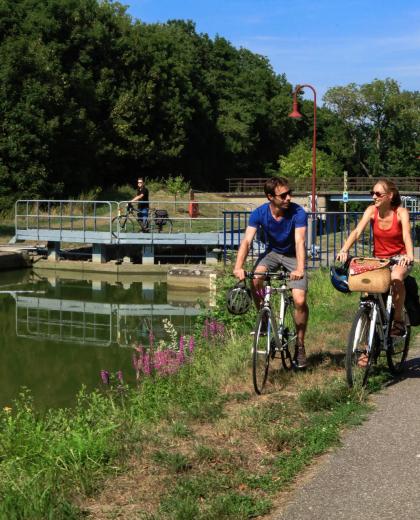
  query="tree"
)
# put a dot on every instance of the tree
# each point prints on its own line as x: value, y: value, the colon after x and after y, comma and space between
x: 382, y: 124
x: 298, y: 163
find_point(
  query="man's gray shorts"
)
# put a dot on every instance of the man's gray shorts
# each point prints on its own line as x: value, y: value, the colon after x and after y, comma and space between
x: 272, y: 262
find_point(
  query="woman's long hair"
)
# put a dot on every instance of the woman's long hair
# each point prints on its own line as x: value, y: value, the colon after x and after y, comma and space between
x: 391, y: 187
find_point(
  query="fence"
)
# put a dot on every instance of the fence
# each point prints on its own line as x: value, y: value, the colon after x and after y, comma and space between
x: 327, y: 232
x: 334, y: 184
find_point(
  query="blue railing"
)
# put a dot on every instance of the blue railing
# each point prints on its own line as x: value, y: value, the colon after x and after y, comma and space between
x: 327, y: 232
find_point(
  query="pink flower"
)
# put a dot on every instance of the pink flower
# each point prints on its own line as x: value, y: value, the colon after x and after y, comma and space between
x: 191, y: 344
x: 105, y: 377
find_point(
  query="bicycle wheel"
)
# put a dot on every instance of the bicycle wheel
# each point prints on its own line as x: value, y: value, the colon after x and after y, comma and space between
x: 261, y: 351
x: 357, y: 372
x: 288, y: 335
x: 124, y: 224
x: 397, y: 351
x: 169, y: 225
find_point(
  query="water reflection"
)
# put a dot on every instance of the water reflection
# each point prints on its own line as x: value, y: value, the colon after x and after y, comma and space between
x: 57, y: 333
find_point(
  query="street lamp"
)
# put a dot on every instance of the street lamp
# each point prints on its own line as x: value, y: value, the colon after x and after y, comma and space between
x: 295, y: 114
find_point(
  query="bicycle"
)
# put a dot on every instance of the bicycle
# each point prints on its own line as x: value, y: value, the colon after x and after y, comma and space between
x: 275, y: 332
x: 370, y: 336
x: 131, y: 221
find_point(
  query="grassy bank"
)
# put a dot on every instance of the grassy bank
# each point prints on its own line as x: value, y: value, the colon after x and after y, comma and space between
x: 195, y: 444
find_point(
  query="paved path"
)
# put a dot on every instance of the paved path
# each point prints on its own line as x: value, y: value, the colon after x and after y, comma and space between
x: 376, y: 473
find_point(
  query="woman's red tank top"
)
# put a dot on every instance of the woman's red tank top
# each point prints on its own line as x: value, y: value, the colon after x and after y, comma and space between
x: 388, y: 242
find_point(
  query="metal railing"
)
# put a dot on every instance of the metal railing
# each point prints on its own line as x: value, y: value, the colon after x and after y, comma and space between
x: 222, y: 223
x: 63, y: 220
x: 98, y: 222
x: 334, y: 184
x: 327, y: 232
x: 208, y: 216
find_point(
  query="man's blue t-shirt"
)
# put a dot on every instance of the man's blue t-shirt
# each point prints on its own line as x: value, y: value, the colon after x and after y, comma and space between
x: 279, y: 235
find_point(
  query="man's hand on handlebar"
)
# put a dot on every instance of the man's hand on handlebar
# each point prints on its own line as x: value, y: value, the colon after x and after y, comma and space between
x: 296, y: 275
x: 239, y: 273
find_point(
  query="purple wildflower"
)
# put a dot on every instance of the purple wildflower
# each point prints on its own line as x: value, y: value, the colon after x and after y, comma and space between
x: 147, y: 365
x: 120, y: 376
x: 181, y: 356
x: 105, y: 377
x: 191, y: 344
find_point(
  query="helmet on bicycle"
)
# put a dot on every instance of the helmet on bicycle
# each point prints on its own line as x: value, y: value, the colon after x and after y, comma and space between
x: 339, y: 278
x: 238, y: 299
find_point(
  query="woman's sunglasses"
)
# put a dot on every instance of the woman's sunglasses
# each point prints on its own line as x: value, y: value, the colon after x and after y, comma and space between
x: 377, y: 194
x: 283, y: 196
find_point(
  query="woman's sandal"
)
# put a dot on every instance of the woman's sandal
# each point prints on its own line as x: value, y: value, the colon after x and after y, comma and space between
x: 362, y: 361
x: 397, y: 329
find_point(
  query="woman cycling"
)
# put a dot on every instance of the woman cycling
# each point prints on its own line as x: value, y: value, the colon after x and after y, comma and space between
x: 391, y: 239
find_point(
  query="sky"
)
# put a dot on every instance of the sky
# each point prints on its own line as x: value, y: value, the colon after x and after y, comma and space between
x: 324, y: 43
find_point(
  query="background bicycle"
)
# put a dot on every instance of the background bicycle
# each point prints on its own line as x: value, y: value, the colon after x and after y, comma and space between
x: 275, y: 331
x: 131, y: 221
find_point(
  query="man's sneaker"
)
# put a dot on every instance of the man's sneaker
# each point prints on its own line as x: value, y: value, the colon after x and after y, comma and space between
x: 300, y: 357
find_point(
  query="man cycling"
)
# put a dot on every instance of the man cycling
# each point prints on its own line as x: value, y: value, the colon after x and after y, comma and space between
x: 142, y: 197
x: 284, y: 225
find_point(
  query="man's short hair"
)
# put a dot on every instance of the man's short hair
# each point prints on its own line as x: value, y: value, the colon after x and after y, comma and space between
x: 271, y: 184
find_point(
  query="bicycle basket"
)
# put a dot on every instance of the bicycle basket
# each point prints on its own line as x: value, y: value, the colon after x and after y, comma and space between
x: 238, y: 299
x: 369, y: 275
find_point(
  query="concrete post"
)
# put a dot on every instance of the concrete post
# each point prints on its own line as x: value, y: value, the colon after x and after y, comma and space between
x: 148, y: 255
x: 98, y: 253
x: 211, y: 257
x: 53, y: 249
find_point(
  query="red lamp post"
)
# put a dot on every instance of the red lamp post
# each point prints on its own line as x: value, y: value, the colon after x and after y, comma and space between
x: 295, y: 114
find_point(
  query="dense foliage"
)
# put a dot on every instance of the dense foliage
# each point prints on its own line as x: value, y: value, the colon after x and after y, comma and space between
x: 91, y: 98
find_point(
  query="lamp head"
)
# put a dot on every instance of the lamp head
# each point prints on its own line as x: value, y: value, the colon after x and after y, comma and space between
x: 295, y: 114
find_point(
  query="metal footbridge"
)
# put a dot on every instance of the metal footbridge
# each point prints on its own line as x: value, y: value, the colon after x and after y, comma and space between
x: 100, y: 223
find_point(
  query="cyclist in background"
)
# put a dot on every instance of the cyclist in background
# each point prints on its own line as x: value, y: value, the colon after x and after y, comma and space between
x: 284, y: 225
x: 142, y: 197
x: 391, y: 239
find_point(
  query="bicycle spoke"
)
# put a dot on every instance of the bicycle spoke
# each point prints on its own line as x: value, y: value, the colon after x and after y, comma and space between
x: 359, y: 358
x: 261, y: 350
x: 288, y: 336
x: 397, y: 351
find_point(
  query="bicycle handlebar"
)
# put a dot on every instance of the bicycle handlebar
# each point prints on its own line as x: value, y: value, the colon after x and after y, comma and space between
x: 279, y: 275
x: 392, y: 261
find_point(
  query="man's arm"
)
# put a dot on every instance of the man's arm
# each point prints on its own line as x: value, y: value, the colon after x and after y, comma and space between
x: 137, y: 197
x: 243, y: 251
x: 300, y: 234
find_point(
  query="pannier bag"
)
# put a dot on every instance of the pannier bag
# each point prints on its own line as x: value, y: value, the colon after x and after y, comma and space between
x: 161, y: 216
x: 412, y: 301
x: 369, y: 275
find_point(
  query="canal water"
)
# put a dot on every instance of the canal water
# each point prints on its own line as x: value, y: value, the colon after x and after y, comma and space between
x: 58, y: 331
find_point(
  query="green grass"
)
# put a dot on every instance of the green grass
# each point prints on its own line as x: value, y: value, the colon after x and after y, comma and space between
x: 204, y: 445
